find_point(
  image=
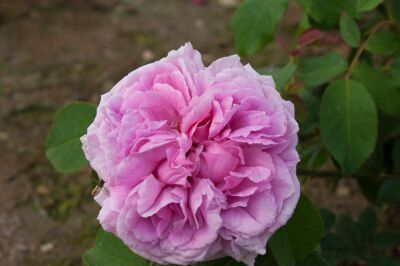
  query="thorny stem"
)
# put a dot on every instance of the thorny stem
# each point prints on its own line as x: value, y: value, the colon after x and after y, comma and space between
x: 376, y: 28
x: 314, y: 173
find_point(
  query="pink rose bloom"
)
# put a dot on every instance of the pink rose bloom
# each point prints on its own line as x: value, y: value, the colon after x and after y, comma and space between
x: 198, y: 162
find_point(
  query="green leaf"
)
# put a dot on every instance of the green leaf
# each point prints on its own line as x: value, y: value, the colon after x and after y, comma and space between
x: 110, y: 251
x: 374, y: 164
x: 389, y: 190
x: 321, y: 69
x: 369, y: 187
x: 387, y: 240
x: 348, y: 123
x: 348, y: 230
x: 63, y: 146
x: 311, y: 101
x: 266, y: 260
x: 280, y: 247
x: 254, y: 23
x: 304, y: 229
x: 396, y: 11
x: 381, y: 261
x: 385, y: 95
x: 325, y: 13
x: 349, y: 31
x: 350, y: 6
x: 282, y: 75
x: 328, y: 218
x: 395, y: 72
x: 313, y: 155
x: 367, y: 223
x: 334, y: 248
x: 389, y: 126
x: 383, y: 43
x: 367, y: 5
x: 314, y: 259
x: 396, y: 156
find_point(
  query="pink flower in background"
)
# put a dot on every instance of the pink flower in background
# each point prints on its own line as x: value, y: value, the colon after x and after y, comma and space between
x: 198, y: 162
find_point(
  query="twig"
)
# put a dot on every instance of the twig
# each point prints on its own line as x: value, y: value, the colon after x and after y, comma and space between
x: 360, y: 49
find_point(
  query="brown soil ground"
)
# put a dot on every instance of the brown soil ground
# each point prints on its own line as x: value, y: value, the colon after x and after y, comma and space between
x: 53, y: 52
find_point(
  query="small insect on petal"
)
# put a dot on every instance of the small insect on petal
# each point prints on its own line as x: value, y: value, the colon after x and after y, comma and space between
x: 97, y: 188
